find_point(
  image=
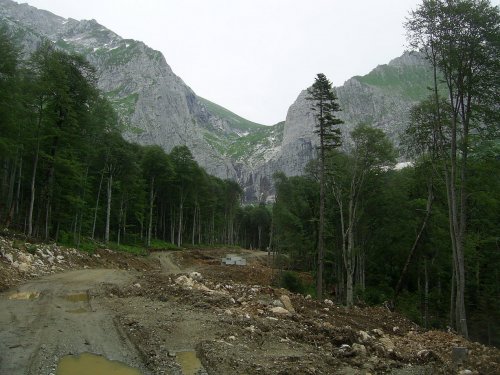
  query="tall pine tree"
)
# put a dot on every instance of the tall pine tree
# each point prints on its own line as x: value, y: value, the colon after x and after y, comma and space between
x: 323, y: 103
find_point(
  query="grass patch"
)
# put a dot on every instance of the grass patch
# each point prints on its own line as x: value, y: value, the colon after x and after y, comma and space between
x: 131, y: 249
x: 162, y: 245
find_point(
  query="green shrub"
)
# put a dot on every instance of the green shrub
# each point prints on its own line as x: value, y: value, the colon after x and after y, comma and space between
x: 291, y: 281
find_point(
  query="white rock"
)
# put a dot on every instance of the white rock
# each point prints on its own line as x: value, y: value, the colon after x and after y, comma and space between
x: 364, y: 336
x: 184, y: 281
x: 196, y: 276
x: 279, y: 310
x: 9, y: 257
x: 24, y: 267
x: 328, y: 302
x: 137, y: 285
x: 287, y: 303
x: 387, y: 344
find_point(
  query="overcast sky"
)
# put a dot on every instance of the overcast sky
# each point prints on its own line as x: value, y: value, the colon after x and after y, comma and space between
x: 255, y: 56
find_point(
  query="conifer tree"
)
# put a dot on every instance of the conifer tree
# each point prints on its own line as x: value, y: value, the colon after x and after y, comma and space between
x: 323, y: 103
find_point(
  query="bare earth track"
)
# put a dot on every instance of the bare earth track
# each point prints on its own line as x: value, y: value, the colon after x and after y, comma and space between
x: 157, y: 316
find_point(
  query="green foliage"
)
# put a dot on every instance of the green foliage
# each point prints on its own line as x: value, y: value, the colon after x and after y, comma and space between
x: 291, y: 281
x: 160, y: 245
x: 235, y: 121
x: 408, y: 81
x: 131, y: 249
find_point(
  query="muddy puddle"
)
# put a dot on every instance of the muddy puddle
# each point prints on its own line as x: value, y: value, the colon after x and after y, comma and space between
x: 24, y: 295
x: 189, y: 362
x: 88, y: 363
x: 77, y: 297
x: 81, y: 310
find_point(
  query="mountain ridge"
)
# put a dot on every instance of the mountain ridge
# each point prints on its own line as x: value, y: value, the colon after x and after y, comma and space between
x: 160, y: 108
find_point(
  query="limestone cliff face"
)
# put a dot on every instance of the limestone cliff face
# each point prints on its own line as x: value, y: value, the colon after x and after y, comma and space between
x: 157, y: 105
x: 382, y: 98
x: 159, y: 108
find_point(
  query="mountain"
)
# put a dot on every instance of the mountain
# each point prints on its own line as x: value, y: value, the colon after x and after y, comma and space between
x: 382, y: 98
x: 159, y: 108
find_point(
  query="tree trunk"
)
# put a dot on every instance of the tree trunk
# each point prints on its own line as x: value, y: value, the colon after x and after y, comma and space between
x: 151, y: 203
x: 108, y: 207
x: 97, y: 204
x: 179, y: 232
x: 430, y: 199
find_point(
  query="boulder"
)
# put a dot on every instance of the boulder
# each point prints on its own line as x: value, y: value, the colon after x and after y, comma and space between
x: 287, y: 304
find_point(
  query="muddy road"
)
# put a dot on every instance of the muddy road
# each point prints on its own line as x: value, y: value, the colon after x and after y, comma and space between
x: 183, y: 313
x: 47, y: 318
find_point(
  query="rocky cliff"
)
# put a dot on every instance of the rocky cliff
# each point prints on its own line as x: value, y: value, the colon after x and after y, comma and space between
x: 159, y: 108
x: 382, y: 98
x: 157, y: 105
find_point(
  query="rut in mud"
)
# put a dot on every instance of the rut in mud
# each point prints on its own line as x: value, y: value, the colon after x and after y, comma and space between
x: 58, y: 315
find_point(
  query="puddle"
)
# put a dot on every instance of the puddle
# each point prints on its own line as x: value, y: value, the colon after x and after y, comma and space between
x: 88, y: 363
x: 77, y: 297
x: 189, y: 362
x: 81, y: 310
x: 24, y: 295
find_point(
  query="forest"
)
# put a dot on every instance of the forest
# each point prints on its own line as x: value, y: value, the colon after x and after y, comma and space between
x: 423, y: 239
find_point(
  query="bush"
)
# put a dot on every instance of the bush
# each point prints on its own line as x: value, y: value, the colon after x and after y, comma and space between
x: 292, y: 282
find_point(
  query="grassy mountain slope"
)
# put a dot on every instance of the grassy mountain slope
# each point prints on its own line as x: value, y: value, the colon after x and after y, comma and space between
x: 236, y: 122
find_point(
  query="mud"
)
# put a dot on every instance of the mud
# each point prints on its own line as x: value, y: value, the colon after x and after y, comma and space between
x: 156, y: 316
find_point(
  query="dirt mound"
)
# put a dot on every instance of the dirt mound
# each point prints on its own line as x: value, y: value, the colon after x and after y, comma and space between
x: 21, y: 260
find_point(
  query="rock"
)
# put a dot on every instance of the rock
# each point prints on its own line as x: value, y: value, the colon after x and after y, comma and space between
x: 464, y: 372
x: 196, y: 276
x: 9, y: 257
x: 279, y: 310
x: 137, y: 285
x: 278, y: 303
x: 184, y: 281
x: 287, y: 304
x: 364, y: 337
x: 378, y: 332
x: 308, y: 297
x: 24, y: 267
x: 328, y: 302
x: 387, y: 344
x: 228, y: 312
x: 359, y: 349
x: 202, y: 287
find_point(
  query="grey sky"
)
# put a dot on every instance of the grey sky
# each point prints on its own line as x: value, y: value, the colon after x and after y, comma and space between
x: 255, y: 56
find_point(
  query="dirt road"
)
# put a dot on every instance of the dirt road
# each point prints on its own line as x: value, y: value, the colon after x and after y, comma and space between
x: 156, y: 316
x: 48, y: 318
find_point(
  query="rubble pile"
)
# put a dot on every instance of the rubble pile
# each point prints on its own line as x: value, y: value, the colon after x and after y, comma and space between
x: 264, y: 330
x: 21, y: 260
